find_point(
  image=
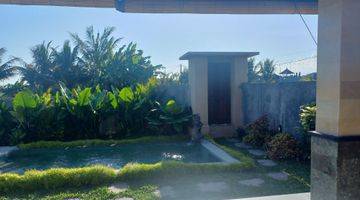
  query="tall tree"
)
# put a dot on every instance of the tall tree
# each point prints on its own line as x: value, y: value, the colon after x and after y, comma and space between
x: 39, y: 74
x: 253, y: 70
x: 267, y: 71
x: 96, y: 51
x: 67, y: 69
x: 7, y: 68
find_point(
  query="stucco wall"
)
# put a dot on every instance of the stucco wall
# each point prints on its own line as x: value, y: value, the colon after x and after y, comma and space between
x: 280, y: 101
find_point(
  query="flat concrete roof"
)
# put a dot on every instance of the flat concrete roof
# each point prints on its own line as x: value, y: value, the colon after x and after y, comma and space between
x: 68, y: 3
x: 192, y: 54
x: 187, y: 6
x: 219, y: 6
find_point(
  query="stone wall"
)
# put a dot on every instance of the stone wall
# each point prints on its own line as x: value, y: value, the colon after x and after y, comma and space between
x: 280, y: 101
x: 180, y: 93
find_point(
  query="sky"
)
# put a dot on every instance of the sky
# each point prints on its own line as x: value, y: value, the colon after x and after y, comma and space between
x: 165, y: 37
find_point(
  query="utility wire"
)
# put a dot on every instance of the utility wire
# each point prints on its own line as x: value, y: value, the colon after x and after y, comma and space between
x: 295, y: 61
x: 305, y: 23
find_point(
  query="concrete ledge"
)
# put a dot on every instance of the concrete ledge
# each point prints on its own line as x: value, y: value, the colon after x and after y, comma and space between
x: 219, y: 153
x: 6, y: 150
x: 300, y: 196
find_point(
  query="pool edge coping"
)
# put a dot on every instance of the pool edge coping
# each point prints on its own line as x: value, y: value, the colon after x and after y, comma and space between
x: 218, y: 152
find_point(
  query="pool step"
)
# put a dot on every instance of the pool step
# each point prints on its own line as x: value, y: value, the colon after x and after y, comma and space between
x: 219, y: 153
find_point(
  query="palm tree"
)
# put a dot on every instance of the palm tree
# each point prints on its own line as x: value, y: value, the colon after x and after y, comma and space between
x: 253, y: 70
x: 39, y: 74
x: 7, y: 69
x: 67, y: 69
x: 96, y: 51
x: 267, y: 70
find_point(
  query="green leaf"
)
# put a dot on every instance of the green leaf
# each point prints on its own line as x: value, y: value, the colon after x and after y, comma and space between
x: 112, y: 100
x: 24, y: 99
x: 84, y: 97
x: 126, y: 94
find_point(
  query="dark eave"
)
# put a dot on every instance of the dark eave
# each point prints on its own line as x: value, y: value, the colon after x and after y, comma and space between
x: 219, y: 6
x: 192, y: 54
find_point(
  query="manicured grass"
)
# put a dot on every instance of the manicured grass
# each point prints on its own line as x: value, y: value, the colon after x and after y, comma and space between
x: 65, y: 178
x: 101, y: 193
x: 98, y: 142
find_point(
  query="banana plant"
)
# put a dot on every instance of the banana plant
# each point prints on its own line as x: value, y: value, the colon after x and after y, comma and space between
x: 169, y: 118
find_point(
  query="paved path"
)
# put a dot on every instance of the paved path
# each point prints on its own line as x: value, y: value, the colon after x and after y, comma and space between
x: 300, y: 196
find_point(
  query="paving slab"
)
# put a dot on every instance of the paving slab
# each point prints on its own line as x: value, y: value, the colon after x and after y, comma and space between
x: 255, y: 182
x: 266, y: 162
x: 118, y: 187
x: 299, y: 196
x: 280, y: 176
x: 212, y: 186
x: 167, y: 192
x: 256, y: 152
x: 242, y: 145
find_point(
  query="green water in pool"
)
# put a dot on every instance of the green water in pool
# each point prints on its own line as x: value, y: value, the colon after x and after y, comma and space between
x: 116, y: 156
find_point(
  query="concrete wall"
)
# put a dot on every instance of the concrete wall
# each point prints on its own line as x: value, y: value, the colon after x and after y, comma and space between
x: 280, y: 101
x: 180, y: 93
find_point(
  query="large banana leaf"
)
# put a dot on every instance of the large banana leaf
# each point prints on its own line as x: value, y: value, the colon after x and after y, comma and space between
x: 24, y: 99
x: 126, y: 94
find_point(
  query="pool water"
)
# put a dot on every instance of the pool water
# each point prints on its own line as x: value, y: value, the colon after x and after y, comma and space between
x: 117, y: 156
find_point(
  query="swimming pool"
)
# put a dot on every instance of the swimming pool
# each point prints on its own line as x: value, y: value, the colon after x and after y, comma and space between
x: 116, y: 156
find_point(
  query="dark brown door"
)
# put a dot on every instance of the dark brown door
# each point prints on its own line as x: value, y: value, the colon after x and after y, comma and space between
x: 219, y: 106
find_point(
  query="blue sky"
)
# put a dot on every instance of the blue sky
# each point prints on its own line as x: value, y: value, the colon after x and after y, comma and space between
x: 164, y: 37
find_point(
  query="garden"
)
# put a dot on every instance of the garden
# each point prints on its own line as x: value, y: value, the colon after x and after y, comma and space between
x: 93, y: 121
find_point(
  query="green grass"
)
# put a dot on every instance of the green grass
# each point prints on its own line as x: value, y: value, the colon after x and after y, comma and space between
x: 101, y: 193
x: 66, y: 178
x: 98, y: 142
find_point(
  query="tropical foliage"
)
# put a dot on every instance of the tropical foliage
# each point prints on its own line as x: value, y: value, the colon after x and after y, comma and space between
x: 283, y: 147
x: 263, y: 71
x: 7, y: 68
x: 94, y: 60
x: 88, y: 113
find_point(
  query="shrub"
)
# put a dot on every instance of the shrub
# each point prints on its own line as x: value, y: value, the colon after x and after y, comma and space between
x: 258, y: 132
x: 91, y: 113
x: 283, y: 147
x: 308, y: 117
x: 7, y: 123
x: 307, y: 121
x: 56, y: 178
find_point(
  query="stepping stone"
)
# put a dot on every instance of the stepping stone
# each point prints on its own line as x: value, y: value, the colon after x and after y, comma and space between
x: 255, y: 182
x: 167, y: 191
x: 256, y: 152
x: 124, y: 198
x: 243, y: 145
x: 280, y: 176
x: 118, y: 187
x: 232, y: 140
x: 157, y: 193
x: 266, y: 163
x: 212, y: 186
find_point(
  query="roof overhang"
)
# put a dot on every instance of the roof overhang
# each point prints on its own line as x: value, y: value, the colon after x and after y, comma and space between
x: 219, y: 6
x: 187, y: 6
x: 69, y: 3
x: 191, y: 54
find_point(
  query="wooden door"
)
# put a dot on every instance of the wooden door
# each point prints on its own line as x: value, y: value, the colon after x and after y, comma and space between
x: 219, y: 102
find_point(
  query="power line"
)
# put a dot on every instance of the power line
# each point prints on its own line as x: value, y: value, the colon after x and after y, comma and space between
x: 295, y: 61
x: 305, y: 23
